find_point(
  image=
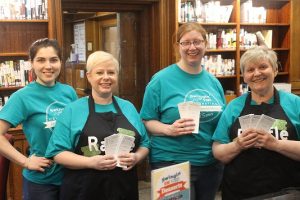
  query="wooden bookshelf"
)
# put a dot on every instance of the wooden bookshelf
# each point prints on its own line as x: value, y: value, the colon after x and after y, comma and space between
x: 278, y: 20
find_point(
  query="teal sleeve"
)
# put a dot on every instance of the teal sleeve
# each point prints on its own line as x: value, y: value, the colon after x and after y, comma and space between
x: 134, y: 118
x: 145, y: 142
x: 151, y: 102
x: 291, y: 105
x: 62, y: 139
x: 229, y: 116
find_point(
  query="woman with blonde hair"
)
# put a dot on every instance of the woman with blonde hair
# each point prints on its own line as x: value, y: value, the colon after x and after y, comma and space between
x: 78, y: 142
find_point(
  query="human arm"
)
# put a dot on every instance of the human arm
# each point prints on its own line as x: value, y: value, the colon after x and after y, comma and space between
x: 179, y: 127
x: 131, y: 159
x: 288, y: 148
x: 227, y: 152
x: 75, y: 161
x: 32, y: 163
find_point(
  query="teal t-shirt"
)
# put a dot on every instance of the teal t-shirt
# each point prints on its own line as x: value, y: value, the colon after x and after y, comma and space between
x: 289, y: 102
x: 37, y: 107
x: 71, y: 122
x: 166, y: 89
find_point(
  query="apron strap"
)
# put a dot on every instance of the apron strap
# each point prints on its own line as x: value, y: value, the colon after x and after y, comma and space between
x: 116, y: 105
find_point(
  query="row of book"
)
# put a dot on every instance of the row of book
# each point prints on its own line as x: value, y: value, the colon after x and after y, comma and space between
x: 213, y: 11
x: 252, y: 14
x: 218, y: 66
x: 23, y: 9
x: 15, y: 73
x: 195, y: 10
x: 226, y: 39
x: 262, y: 38
x: 3, y: 100
x: 223, y: 39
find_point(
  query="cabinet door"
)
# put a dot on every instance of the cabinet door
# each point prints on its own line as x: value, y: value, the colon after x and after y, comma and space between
x: 14, y: 185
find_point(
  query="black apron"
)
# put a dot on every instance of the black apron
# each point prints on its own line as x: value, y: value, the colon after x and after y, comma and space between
x: 260, y: 171
x: 90, y: 184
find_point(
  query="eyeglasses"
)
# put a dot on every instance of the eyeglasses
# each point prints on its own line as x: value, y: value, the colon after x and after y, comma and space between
x: 196, y: 43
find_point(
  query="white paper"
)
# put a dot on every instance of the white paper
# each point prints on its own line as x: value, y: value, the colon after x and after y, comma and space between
x: 254, y: 121
x: 190, y: 110
x: 117, y: 144
x: 245, y: 121
x: 265, y: 123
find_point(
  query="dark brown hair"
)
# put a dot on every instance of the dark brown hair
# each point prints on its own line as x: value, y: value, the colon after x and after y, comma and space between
x: 42, y: 43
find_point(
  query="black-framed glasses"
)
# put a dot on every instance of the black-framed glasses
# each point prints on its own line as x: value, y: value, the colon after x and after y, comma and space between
x: 196, y: 43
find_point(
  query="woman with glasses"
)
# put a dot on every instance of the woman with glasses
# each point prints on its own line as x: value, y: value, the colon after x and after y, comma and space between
x: 36, y: 107
x: 172, y: 140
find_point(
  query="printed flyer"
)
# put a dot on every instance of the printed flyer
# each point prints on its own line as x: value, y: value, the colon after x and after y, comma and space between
x: 171, y: 183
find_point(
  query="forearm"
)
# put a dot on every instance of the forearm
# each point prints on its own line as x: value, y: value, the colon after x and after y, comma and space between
x: 226, y: 152
x: 141, y: 154
x: 72, y: 160
x: 8, y: 151
x: 156, y: 127
x: 288, y: 148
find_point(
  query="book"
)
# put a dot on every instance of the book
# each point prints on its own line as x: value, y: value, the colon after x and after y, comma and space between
x: 264, y: 38
x: 172, y: 182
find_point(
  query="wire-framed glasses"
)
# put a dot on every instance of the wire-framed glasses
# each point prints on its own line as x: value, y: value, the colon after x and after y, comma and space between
x: 196, y: 43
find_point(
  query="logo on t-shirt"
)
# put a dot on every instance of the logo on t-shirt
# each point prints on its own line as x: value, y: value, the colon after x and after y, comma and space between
x: 211, y: 107
x: 52, y: 113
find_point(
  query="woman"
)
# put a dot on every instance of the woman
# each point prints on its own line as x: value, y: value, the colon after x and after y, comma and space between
x: 36, y: 107
x: 172, y: 140
x: 79, y: 139
x: 259, y: 162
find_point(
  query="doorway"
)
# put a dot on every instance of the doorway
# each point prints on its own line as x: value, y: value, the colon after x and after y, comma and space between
x: 135, y: 21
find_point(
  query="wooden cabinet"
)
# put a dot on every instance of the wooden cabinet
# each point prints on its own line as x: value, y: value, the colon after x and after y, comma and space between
x: 276, y: 22
x: 14, y: 185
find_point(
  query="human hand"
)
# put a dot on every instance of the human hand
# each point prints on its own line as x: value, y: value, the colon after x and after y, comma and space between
x: 247, y: 139
x: 103, y: 162
x: 266, y: 140
x: 129, y: 160
x: 181, y: 127
x: 37, y: 163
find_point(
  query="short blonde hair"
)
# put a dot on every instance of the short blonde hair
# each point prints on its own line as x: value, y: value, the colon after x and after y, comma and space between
x: 99, y: 57
x: 257, y: 53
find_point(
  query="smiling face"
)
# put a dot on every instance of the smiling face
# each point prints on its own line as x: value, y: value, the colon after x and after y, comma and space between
x: 260, y: 76
x: 192, y: 54
x: 103, y: 79
x: 46, y: 65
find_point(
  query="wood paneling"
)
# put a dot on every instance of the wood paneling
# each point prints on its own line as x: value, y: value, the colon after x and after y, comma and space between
x: 295, y: 47
x: 12, y: 35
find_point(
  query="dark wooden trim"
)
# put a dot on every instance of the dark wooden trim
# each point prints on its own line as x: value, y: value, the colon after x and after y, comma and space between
x: 295, y: 47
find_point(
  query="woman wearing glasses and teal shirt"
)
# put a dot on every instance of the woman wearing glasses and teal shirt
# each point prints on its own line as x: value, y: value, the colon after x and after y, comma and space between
x: 172, y: 140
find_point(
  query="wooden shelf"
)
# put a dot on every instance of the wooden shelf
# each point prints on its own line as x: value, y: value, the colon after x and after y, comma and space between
x: 278, y: 20
x: 24, y: 20
x: 220, y: 50
x: 266, y: 24
x: 15, y: 130
x: 215, y: 24
x: 8, y: 54
x: 274, y: 49
x: 10, y: 88
x: 226, y: 76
